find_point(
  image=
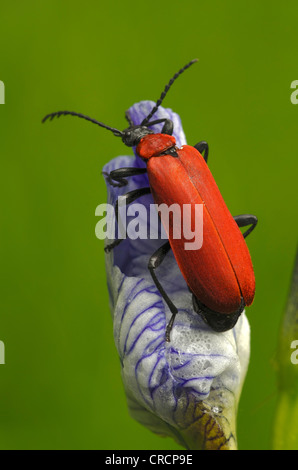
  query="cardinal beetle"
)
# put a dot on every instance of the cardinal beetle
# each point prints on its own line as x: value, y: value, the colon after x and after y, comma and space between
x: 220, y: 274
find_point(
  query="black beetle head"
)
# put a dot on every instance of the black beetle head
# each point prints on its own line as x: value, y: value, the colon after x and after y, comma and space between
x: 133, y: 134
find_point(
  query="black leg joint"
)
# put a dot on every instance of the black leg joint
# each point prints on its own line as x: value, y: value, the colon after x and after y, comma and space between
x: 168, y: 126
x: 203, y: 147
x: 117, y: 178
x: 246, y: 219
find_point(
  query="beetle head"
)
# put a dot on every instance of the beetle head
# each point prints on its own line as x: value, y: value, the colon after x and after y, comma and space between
x: 133, y: 134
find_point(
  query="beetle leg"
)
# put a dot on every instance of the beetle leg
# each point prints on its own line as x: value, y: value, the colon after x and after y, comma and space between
x: 168, y: 126
x: 129, y: 198
x: 203, y: 147
x: 155, y: 261
x: 120, y: 174
x: 246, y: 219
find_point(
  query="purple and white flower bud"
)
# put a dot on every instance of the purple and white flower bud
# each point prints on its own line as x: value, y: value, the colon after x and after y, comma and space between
x: 187, y: 388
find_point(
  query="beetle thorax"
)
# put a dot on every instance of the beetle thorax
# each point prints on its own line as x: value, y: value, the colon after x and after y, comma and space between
x: 156, y: 145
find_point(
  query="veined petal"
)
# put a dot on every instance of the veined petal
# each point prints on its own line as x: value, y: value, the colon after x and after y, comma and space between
x: 187, y: 388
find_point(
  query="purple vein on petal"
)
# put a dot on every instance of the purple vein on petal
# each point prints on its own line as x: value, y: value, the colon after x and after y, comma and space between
x: 159, y: 346
x: 130, y: 297
x: 156, y: 305
x: 182, y: 353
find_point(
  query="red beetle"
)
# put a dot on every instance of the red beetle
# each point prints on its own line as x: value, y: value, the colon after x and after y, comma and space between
x: 219, y: 274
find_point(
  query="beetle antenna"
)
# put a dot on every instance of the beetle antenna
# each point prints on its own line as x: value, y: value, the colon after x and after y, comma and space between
x: 167, y: 87
x: 116, y: 132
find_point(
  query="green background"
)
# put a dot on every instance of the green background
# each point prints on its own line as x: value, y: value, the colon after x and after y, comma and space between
x: 61, y: 386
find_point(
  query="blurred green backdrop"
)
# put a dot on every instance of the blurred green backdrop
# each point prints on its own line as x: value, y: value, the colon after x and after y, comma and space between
x: 60, y: 386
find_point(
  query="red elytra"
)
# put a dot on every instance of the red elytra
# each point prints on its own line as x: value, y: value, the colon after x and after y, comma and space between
x: 221, y: 271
